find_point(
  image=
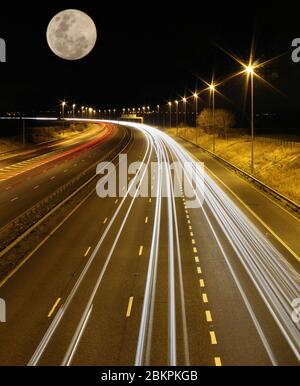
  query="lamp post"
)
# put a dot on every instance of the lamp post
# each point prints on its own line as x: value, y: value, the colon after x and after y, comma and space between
x: 250, y: 72
x: 73, y: 107
x: 196, y: 114
x: 176, y: 104
x: 63, y: 105
x: 212, y: 89
x: 170, y: 111
x: 158, y: 117
x: 184, y: 100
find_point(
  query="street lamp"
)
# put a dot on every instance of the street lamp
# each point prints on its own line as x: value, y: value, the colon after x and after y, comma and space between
x: 212, y: 89
x: 170, y: 110
x: 176, y: 104
x: 73, y: 106
x: 158, y: 120
x: 184, y: 100
x: 250, y: 72
x: 63, y: 105
x: 196, y: 114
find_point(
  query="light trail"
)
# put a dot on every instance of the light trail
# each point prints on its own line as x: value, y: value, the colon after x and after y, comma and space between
x: 276, y: 281
x: 62, y: 310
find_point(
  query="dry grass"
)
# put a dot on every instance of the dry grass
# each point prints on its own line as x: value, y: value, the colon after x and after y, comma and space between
x: 43, y: 134
x: 275, y: 165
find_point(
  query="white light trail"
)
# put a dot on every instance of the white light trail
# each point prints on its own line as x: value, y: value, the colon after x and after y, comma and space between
x: 275, y: 279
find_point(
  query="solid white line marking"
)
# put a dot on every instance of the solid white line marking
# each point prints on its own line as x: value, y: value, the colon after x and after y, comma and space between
x: 146, y: 220
x: 141, y: 250
x: 105, y: 220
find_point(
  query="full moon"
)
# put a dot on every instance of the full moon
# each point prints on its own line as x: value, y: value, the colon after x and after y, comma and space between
x: 71, y: 34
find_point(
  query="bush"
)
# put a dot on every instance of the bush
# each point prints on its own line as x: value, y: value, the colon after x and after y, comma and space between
x: 222, y: 122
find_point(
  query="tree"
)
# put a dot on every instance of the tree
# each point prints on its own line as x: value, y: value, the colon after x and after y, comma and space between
x: 223, y: 121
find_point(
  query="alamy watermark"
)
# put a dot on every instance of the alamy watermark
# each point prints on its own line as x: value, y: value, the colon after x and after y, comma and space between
x: 2, y: 311
x: 296, y: 310
x: 157, y: 179
x: 296, y: 51
x: 2, y: 51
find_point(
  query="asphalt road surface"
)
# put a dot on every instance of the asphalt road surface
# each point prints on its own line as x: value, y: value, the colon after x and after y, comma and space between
x: 132, y: 280
x: 31, y: 175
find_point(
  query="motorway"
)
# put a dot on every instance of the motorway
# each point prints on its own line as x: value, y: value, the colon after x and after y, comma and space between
x: 150, y: 280
x: 30, y: 175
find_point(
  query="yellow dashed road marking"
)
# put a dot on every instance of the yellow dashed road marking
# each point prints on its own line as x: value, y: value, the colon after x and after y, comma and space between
x: 129, y: 307
x: 208, y: 316
x: 204, y: 298
x: 213, y: 338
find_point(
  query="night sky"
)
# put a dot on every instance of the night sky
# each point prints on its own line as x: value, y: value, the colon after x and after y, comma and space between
x: 148, y: 52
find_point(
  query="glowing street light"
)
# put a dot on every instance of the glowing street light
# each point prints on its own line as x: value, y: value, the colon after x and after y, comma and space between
x: 212, y: 89
x: 63, y: 105
x: 184, y: 100
x: 170, y: 111
x: 73, y: 106
x: 176, y: 104
x: 158, y: 117
x: 196, y: 113
x: 249, y: 70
